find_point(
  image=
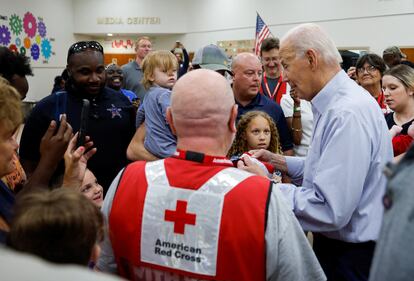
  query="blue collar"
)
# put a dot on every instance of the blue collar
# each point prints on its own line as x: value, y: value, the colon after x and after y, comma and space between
x: 256, y: 101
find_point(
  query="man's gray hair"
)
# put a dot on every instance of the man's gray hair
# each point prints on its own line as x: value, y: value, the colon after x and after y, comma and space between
x: 312, y: 36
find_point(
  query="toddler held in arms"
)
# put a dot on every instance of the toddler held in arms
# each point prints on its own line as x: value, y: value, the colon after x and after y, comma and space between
x: 160, y: 75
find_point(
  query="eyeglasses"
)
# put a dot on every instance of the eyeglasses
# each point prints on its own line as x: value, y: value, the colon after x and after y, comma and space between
x: 84, y: 45
x: 369, y: 69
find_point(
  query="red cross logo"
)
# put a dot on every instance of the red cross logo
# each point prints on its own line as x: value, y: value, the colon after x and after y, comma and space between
x: 180, y: 217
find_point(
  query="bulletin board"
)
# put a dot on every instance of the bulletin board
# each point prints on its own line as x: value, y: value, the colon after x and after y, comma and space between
x: 233, y: 47
x: 27, y: 34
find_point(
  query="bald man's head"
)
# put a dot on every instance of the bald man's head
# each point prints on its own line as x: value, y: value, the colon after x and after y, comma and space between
x: 247, y: 74
x: 201, y: 104
x: 242, y: 58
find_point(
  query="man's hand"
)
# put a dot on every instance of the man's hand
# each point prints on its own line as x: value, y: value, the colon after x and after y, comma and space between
x: 248, y: 165
x: 76, y: 160
x: 52, y: 147
x: 136, y: 150
x: 278, y: 161
x: 262, y: 154
x: 296, y: 99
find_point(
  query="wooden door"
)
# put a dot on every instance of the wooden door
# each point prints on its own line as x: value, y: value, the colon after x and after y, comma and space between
x: 119, y: 59
x: 409, y: 52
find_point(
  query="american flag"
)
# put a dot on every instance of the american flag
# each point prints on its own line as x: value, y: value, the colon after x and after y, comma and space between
x: 262, y: 32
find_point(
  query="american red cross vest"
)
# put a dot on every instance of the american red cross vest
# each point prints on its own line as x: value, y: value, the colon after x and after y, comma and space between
x: 213, y: 232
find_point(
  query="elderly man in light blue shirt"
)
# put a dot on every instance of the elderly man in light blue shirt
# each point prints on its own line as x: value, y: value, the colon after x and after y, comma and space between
x: 340, y: 183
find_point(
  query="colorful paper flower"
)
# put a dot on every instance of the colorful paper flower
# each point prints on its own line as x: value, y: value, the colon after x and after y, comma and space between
x: 22, y: 50
x: 16, y: 24
x: 46, y: 48
x: 41, y: 28
x: 5, y: 36
x: 29, y: 24
x: 13, y: 48
x: 35, y: 51
x: 27, y: 43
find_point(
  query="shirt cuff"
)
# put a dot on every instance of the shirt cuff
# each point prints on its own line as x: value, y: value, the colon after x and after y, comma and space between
x: 295, y: 167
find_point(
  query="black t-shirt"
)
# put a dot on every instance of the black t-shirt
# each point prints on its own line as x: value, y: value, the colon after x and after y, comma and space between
x: 110, y: 126
x: 389, y: 117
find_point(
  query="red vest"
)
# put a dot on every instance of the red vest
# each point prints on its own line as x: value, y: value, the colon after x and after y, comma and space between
x: 240, y: 249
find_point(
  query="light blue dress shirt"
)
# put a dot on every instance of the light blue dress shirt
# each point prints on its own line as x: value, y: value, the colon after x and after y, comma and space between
x: 341, y: 177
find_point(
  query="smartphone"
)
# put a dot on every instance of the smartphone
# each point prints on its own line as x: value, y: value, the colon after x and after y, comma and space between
x: 83, y: 128
x: 60, y: 107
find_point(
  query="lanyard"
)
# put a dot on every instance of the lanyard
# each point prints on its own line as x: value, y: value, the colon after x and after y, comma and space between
x: 279, y: 83
x: 201, y: 158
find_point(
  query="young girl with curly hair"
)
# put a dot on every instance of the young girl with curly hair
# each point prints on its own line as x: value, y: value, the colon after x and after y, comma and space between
x: 255, y: 130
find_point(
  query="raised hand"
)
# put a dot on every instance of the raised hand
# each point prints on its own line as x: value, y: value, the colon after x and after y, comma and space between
x: 76, y: 159
x: 53, y: 144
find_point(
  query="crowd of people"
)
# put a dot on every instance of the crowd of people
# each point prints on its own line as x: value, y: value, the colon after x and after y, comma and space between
x: 215, y: 170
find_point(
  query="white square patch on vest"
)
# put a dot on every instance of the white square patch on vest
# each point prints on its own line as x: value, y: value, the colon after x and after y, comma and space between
x: 180, y: 229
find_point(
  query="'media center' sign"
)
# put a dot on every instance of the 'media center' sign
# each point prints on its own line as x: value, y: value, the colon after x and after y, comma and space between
x: 129, y: 20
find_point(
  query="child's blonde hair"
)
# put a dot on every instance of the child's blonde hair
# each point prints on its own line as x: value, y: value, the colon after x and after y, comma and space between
x: 240, y: 145
x: 164, y: 60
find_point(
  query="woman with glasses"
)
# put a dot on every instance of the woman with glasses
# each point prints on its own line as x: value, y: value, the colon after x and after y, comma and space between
x: 398, y: 84
x: 369, y: 71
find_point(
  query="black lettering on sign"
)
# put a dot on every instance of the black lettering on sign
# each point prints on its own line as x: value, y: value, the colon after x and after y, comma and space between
x: 159, y: 251
x: 180, y: 255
